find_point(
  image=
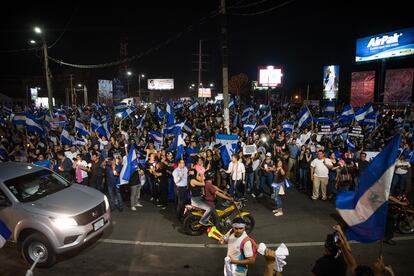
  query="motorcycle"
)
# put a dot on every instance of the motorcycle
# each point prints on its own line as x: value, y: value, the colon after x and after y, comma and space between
x: 405, y: 217
x: 222, y: 219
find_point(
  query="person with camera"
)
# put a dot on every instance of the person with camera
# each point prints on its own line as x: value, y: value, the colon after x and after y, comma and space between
x: 305, y: 158
x: 112, y: 171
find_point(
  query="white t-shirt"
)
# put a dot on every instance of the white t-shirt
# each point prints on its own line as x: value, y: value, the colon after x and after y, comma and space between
x: 236, y: 170
x: 233, y: 250
x: 321, y: 170
x: 401, y: 170
x: 84, y: 164
x: 304, y: 137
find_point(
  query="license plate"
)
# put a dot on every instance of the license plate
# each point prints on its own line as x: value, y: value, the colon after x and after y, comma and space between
x: 98, y: 224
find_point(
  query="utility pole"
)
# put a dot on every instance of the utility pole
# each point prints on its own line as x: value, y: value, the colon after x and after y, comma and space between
x: 200, y: 66
x: 224, y: 59
x: 47, y: 74
x: 85, y: 95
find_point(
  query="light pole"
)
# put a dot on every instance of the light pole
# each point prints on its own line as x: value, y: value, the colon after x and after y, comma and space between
x: 139, y: 85
x: 48, y: 75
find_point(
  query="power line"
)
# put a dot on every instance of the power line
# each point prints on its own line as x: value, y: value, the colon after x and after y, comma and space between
x: 20, y: 50
x: 65, y: 29
x: 249, y: 5
x: 264, y: 11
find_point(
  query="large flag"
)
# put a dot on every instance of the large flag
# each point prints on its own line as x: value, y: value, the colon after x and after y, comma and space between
x: 95, y: 122
x: 365, y: 211
x: 267, y: 117
x: 5, y: 234
x: 361, y: 113
x: 226, y: 151
x: 33, y: 126
x: 81, y: 129
x: 169, y: 112
x: 249, y: 128
x: 19, y: 118
x: 287, y: 126
x: 304, y: 117
x: 66, y: 138
x: 246, y: 113
x: 130, y: 167
x: 156, y: 137
x: 194, y: 106
x: 180, y: 147
x: 347, y: 114
x: 226, y: 139
x: 104, y: 129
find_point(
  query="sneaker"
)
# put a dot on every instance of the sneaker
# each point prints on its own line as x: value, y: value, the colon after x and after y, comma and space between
x: 278, y: 214
x: 133, y: 208
x: 159, y: 205
x: 151, y: 199
x: 163, y: 207
x: 253, y: 195
x: 275, y: 210
x: 138, y: 205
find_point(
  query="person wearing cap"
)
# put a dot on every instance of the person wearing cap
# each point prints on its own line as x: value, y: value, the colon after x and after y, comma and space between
x: 238, y: 259
x: 266, y: 178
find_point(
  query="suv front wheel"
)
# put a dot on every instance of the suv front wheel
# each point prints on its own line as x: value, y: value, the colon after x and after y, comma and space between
x: 36, y: 245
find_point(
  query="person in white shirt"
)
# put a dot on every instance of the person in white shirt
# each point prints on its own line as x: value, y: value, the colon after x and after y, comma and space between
x: 305, y: 136
x: 320, y: 174
x: 400, y: 173
x: 237, y: 173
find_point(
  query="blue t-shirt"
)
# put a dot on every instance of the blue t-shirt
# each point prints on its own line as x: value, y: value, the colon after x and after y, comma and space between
x: 44, y: 163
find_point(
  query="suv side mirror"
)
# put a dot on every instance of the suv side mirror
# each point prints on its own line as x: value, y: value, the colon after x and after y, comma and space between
x: 4, y: 201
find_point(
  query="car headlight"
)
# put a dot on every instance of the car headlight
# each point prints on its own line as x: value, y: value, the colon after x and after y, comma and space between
x: 63, y: 223
x: 106, y: 203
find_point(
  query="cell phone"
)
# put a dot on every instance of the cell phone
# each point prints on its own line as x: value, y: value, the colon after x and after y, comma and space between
x: 336, y: 237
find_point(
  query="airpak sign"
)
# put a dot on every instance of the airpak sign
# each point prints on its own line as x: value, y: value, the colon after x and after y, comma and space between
x: 393, y: 44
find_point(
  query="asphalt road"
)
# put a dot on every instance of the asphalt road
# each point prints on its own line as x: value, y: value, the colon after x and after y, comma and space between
x: 151, y: 242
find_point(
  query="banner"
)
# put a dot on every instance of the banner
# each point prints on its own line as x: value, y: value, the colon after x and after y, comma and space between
x: 356, y: 132
x: 160, y: 84
x: 324, y: 130
x: 119, y: 92
x: 330, y: 82
x: 362, y: 88
x: 105, y: 95
x: 398, y: 87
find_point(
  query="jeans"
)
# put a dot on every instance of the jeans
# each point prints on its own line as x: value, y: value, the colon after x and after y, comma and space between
x: 111, y: 187
x: 236, y: 188
x: 200, y: 203
x: 181, y: 200
x: 266, y: 180
x: 398, y: 181
x: 304, y: 178
x: 331, y: 182
x: 135, y: 194
x: 278, y: 199
x: 250, y: 181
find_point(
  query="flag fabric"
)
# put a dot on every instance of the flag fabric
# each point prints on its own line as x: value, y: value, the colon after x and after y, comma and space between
x: 187, y: 127
x: 249, y: 128
x: 158, y: 113
x: 33, y: 126
x: 347, y: 111
x: 225, y: 139
x: 19, y: 118
x: 95, y: 122
x: 267, y: 117
x: 246, y: 113
x: 81, y: 141
x: 5, y: 233
x: 324, y: 121
x: 260, y: 127
x: 231, y: 103
x: 361, y: 113
x: 140, y: 123
x: 180, y: 147
x: 4, y: 155
x: 125, y: 113
x: 66, y: 138
x: 120, y: 107
x: 194, y: 106
x: 179, y: 106
x: 104, y: 129
x: 287, y: 126
x: 330, y: 108
x: 236, y: 120
x: 365, y: 211
x: 304, y: 117
x: 155, y: 136
x: 130, y: 167
x: 169, y: 112
x: 350, y: 145
x: 81, y: 129
x: 226, y: 151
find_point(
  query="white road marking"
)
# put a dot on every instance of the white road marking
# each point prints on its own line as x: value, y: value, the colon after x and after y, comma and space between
x: 212, y: 245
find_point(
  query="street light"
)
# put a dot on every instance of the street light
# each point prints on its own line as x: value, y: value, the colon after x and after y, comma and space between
x: 211, y: 85
x: 140, y: 76
x: 79, y: 85
x: 48, y: 75
x: 129, y: 73
x: 32, y: 41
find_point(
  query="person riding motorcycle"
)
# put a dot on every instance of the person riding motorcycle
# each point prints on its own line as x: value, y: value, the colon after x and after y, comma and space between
x: 196, y: 186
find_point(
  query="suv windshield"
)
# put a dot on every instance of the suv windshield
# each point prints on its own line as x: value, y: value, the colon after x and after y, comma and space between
x: 30, y: 187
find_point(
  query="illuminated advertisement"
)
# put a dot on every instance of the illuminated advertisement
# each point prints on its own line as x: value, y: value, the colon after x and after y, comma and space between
x: 160, y: 84
x: 398, y: 86
x: 270, y: 76
x: 362, y: 88
x: 393, y: 44
x: 330, y: 81
x: 204, y: 92
x: 105, y: 94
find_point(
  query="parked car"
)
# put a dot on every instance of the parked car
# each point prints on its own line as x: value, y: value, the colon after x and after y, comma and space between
x: 46, y: 214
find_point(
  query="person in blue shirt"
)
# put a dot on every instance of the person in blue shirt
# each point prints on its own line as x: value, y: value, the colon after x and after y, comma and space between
x: 191, y: 152
x: 42, y: 162
x: 112, y: 170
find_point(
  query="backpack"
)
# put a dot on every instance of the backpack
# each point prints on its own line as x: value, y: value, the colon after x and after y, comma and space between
x: 254, y: 246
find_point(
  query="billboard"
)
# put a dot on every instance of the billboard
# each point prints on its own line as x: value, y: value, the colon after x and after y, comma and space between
x: 393, y: 44
x: 270, y: 76
x: 34, y: 93
x: 160, y: 84
x: 204, y: 92
x: 398, y: 86
x: 330, y: 81
x: 105, y: 94
x: 362, y: 88
x: 118, y: 90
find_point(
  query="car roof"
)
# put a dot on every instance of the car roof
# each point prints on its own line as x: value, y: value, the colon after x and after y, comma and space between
x: 10, y: 170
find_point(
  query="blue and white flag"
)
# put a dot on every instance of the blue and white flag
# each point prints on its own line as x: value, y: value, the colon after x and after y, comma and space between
x: 347, y: 111
x: 187, y: 127
x: 249, y: 128
x: 330, y: 108
x: 267, y: 117
x: 81, y: 129
x: 287, y: 126
x: 19, y: 118
x: 365, y: 211
x: 81, y: 141
x: 304, y: 117
x: 95, y: 122
x: 125, y: 113
x: 225, y: 139
x: 66, y: 138
x: 236, y: 119
x: 156, y: 136
x: 140, y: 123
x: 226, y: 151
x: 33, y: 126
x: 104, y: 129
x: 4, y: 155
x: 130, y: 167
x: 5, y: 233
x: 194, y: 106
x: 180, y: 147
x: 231, y: 103
x: 159, y: 115
x: 350, y: 145
x: 246, y: 113
x: 179, y: 106
x: 169, y: 113
x: 361, y: 113
x: 120, y: 107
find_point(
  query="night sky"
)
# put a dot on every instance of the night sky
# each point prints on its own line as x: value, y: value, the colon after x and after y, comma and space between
x: 302, y: 36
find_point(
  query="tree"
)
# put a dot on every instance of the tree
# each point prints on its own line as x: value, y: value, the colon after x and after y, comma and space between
x: 239, y: 85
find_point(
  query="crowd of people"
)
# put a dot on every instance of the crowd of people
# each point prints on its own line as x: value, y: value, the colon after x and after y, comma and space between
x: 304, y: 155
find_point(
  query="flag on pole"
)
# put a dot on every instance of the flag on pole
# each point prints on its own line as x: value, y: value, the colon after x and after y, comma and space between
x: 33, y: 126
x: 304, y: 117
x: 287, y: 126
x: 226, y: 151
x: 180, y: 147
x: 249, y: 128
x: 194, y: 106
x: 267, y: 117
x: 226, y: 139
x: 81, y: 129
x: 169, y: 112
x: 350, y: 145
x: 365, y: 211
x: 130, y: 167
x: 66, y: 138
